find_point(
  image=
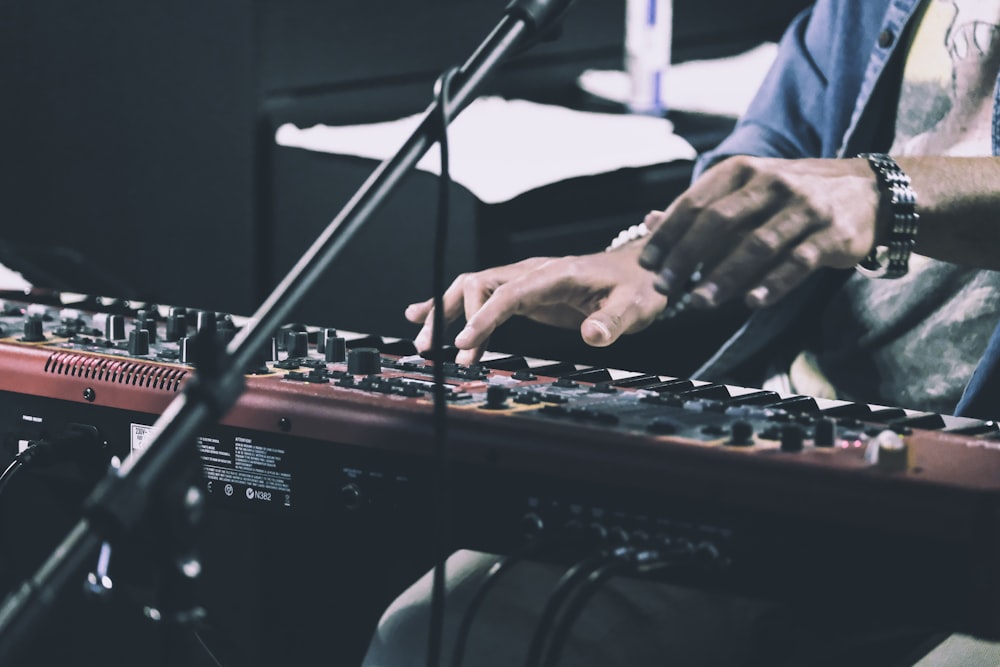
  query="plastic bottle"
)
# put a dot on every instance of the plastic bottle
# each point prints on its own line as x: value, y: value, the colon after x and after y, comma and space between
x: 648, y: 34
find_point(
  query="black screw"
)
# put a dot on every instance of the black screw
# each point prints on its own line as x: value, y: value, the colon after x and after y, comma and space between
x: 89, y: 394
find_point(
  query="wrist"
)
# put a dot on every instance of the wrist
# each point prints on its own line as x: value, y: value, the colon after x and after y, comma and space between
x: 896, y: 220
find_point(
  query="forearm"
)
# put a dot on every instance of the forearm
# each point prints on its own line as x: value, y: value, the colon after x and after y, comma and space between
x: 958, y: 200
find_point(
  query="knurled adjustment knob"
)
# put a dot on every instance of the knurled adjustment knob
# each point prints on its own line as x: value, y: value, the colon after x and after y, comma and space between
x: 34, y: 330
x: 335, y: 349
x: 297, y: 344
x: 364, y: 361
x: 114, y: 327
x: 138, y: 342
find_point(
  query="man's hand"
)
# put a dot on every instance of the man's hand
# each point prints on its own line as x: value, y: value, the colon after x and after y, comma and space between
x: 758, y: 226
x: 605, y: 294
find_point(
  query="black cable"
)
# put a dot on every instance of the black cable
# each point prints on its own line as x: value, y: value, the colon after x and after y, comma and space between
x: 494, y: 575
x: 630, y: 563
x: 78, y: 443
x: 582, y: 594
x: 441, y: 541
x: 15, y: 465
x: 563, y: 589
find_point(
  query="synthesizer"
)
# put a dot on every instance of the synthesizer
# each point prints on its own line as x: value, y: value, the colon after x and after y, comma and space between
x: 786, y: 495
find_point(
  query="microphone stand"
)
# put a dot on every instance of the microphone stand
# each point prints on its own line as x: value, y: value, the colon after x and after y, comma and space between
x: 119, y: 503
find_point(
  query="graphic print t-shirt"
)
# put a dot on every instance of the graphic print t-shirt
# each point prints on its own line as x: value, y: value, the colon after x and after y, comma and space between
x: 914, y: 342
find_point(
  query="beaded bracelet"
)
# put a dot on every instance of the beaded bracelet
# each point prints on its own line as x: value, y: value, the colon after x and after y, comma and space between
x: 628, y: 235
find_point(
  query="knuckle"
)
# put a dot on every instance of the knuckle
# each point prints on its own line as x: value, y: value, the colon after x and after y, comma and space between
x: 806, y: 256
x: 474, y: 281
x: 764, y: 241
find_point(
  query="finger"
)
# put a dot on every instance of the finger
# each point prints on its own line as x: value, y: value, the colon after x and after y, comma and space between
x: 417, y: 312
x: 502, y: 304
x: 716, y: 183
x: 753, y: 257
x: 717, y: 230
x: 451, y: 300
x: 471, y: 356
x: 553, y: 285
x: 798, y: 264
x: 623, y: 311
x: 670, y: 226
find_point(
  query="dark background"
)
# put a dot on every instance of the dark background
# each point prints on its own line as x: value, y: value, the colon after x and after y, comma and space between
x: 139, y: 157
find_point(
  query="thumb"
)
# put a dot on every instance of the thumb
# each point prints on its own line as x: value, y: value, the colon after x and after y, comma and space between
x: 598, y: 332
x: 625, y: 310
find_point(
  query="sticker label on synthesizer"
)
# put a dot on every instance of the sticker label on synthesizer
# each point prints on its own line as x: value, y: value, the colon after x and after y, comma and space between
x: 141, y: 434
x: 246, y: 471
x: 236, y: 468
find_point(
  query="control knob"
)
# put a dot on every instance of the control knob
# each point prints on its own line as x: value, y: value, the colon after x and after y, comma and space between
x: 364, y: 361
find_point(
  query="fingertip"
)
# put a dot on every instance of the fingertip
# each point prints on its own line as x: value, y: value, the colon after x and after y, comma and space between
x: 467, y: 357
x: 705, y: 295
x: 758, y: 297
x: 415, y: 312
x: 596, y: 333
x: 422, y: 340
x: 465, y: 338
x: 651, y: 257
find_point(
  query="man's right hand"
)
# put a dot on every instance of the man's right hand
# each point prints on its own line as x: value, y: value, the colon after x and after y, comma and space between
x: 605, y: 295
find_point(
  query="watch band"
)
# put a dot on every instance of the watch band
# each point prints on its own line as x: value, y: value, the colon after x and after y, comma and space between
x: 899, y: 201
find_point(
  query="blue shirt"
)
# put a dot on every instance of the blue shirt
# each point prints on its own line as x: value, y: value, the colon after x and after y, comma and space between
x: 831, y: 93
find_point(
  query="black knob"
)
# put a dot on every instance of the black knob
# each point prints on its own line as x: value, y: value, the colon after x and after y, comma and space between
x: 144, y: 320
x: 205, y: 322
x: 335, y: 349
x: 663, y: 426
x: 286, y: 330
x: 176, y: 325
x: 825, y: 433
x: 269, y: 350
x: 297, y: 344
x: 324, y: 335
x: 138, y: 342
x: 741, y: 433
x: 496, y: 397
x: 34, y: 330
x: 114, y: 327
x: 792, y: 438
x: 364, y: 361
x: 351, y: 496
x: 186, y: 345
x: 532, y: 524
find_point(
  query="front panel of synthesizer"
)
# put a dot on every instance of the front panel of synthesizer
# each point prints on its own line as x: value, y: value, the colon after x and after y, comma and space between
x: 784, y: 494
